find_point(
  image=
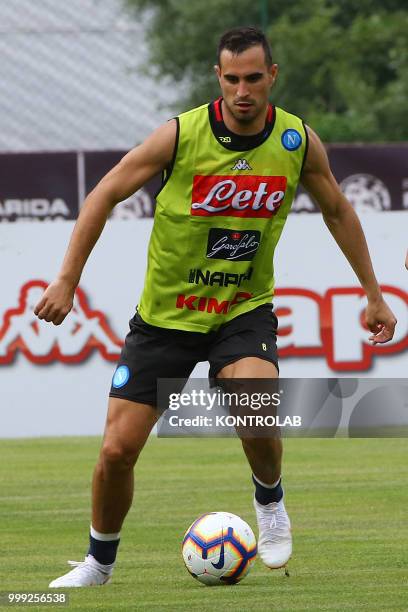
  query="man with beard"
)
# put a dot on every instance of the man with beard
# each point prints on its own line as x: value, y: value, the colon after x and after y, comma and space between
x: 231, y: 169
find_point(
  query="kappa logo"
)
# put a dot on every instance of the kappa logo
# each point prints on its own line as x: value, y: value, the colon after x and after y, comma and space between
x: 83, y: 331
x: 241, y: 164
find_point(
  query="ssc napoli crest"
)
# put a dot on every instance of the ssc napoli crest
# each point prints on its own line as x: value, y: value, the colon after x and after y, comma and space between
x: 121, y: 377
x: 291, y: 139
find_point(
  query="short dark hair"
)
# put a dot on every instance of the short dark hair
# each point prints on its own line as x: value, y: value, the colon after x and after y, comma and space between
x: 238, y: 40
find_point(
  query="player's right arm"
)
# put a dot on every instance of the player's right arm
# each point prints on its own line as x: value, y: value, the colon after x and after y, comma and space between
x: 132, y: 172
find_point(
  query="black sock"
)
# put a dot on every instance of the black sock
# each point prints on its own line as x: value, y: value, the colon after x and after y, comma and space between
x: 103, y: 552
x: 265, y: 495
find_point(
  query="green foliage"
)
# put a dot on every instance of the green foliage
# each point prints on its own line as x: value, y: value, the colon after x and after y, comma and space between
x: 343, y: 63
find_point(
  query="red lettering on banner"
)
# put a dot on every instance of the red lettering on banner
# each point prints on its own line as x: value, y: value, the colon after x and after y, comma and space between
x: 298, y: 312
x: 333, y: 326
x: 238, y: 196
x: 83, y: 331
x: 345, y: 339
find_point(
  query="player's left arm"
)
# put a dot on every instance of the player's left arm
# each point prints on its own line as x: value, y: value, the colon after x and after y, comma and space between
x: 344, y: 225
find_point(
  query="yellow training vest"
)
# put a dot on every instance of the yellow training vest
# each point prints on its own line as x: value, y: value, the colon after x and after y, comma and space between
x: 218, y: 219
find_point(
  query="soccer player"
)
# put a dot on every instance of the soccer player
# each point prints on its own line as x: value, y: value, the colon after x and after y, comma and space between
x: 231, y: 169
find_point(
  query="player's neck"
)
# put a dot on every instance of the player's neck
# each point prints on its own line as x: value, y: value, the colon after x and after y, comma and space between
x: 241, y: 128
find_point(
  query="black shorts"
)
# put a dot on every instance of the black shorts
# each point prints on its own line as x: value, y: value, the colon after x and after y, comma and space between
x: 152, y: 352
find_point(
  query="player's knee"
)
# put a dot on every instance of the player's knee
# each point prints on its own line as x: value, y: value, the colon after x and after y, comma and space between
x: 118, y: 456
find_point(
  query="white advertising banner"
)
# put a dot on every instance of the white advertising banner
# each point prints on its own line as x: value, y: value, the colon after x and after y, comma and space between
x: 55, y: 380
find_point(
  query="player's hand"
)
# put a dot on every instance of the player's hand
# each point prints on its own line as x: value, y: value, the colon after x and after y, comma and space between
x: 381, y: 321
x: 56, y: 302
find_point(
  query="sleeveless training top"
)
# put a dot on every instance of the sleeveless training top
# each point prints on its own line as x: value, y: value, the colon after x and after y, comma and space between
x: 219, y: 216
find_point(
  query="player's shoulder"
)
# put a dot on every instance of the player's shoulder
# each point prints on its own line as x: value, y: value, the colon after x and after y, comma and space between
x: 292, y: 130
x: 282, y: 113
x: 193, y: 112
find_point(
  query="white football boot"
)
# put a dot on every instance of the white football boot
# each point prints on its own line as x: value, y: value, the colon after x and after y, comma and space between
x: 85, y: 573
x: 275, y: 536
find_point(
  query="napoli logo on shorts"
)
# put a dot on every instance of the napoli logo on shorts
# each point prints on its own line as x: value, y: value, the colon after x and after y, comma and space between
x: 291, y: 139
x: 121, y: 377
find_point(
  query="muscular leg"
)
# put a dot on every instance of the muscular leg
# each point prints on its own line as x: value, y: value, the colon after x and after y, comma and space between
x: 264, y: 454
x: 127, y: 428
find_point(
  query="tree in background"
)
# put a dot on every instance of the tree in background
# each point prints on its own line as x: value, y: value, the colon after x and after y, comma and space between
x: 343, y: 63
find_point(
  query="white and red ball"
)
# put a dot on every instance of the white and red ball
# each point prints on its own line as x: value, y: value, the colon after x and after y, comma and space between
x: 219, y: 548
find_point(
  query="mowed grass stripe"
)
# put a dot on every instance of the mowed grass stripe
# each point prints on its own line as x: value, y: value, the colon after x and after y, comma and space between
x: 347, y: 500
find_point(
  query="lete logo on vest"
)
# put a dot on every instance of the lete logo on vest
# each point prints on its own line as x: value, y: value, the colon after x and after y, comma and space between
x: 238, y: 196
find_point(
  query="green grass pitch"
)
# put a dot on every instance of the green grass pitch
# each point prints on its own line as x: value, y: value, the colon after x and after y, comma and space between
x: 347, y: 499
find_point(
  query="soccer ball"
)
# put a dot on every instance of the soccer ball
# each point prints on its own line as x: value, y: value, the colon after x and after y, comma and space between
x: 219, y: 548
